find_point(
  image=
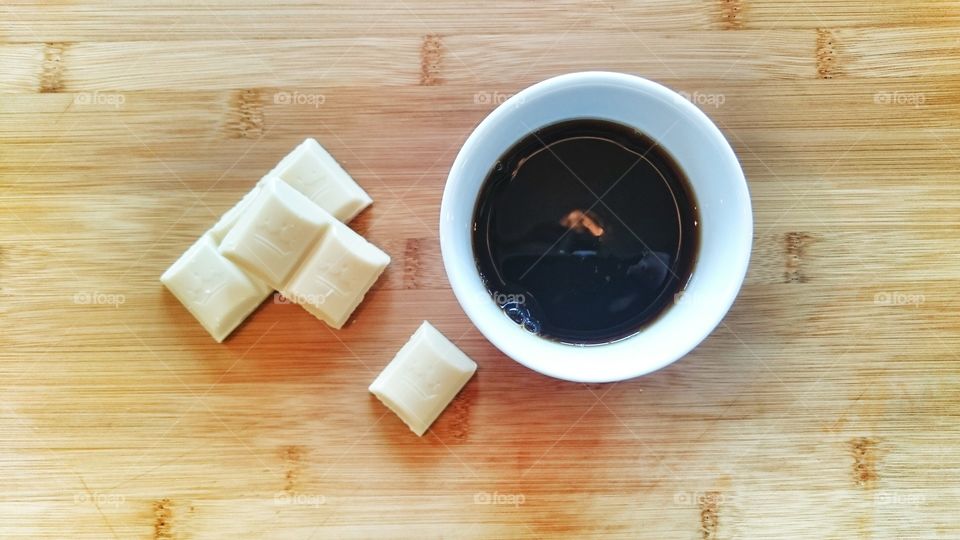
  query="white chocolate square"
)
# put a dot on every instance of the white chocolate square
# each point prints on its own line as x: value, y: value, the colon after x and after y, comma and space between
x: 218, y: 293
x: 275, y: 232
x: 333, y: 280
x: 423, y: 378
x: 311, y: 170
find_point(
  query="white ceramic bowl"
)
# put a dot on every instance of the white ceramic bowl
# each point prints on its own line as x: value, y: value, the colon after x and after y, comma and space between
x: 719, y: 188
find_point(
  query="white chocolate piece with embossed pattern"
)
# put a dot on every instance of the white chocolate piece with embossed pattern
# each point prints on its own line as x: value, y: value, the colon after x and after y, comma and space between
x: 311, y: 170
x: 333, y: 280
x: 218, y: 293
x: 423, y: 378
x: 275, y: 232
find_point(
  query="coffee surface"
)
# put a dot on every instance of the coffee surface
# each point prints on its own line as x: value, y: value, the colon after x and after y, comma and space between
x: 585, y: 231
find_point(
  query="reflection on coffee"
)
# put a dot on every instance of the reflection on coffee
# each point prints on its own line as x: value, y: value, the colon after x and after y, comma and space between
x: 585, y: 231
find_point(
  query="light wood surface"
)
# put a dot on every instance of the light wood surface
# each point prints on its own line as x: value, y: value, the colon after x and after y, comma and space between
x: 825, y: 406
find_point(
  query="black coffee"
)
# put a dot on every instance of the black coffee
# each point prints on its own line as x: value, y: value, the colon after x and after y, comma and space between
x: 585, y: 231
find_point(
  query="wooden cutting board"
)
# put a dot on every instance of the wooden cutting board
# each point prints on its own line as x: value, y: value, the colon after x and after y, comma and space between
x: 825, y: 406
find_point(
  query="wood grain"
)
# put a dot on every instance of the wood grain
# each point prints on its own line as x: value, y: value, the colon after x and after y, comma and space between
x: 824, y: 406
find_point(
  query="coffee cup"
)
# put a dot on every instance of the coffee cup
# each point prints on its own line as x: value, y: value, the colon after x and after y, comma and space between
x: 715, y: 179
